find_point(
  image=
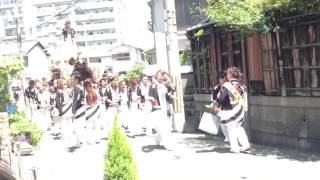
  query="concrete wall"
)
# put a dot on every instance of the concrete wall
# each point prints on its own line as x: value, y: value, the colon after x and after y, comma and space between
x: 188, y: 100
x: 285, y: 121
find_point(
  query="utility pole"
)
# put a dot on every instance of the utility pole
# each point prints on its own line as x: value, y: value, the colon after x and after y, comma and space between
x: 159, y: 30
x: 173, y: 62
x: 18, y: 29
x: 167, y: 51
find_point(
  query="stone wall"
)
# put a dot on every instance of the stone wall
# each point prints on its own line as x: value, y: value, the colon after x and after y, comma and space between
x: 285, y: 121
x: 188, y: 100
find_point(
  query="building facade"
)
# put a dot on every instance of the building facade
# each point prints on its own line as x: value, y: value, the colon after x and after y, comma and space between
x: 97, y: 25
x: 15, y: 19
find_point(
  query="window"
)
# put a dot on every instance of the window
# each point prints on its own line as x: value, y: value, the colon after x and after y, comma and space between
x: 121, y: 56
x: 80, y: 32
x: 11, y: 32
x: 95, y: 60
x: 81, y: 44
x: 41, y: 18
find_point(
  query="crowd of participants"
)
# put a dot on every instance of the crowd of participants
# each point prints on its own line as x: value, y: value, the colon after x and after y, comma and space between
x: 84, y: 111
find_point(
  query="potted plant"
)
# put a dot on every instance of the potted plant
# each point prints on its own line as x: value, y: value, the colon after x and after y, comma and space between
x: 25, y: 132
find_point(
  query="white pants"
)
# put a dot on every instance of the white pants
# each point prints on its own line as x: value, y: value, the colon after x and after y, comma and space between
x: 66, y: 127
x: 224, y: 129
x: 90, y: 131
x: 110, y: 118
x: 78, y: 128
x: 42, y: 119
x: 124, y: 116
x: 134, y: 121
x: 57, y: 120
x: 223, y: 126
x: 237, y: 133
x: 146, y: 117
x: 102, y: 124
x: 163, y: 128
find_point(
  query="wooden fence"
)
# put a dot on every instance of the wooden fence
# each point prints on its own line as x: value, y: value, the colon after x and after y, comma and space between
x: 283, y: 63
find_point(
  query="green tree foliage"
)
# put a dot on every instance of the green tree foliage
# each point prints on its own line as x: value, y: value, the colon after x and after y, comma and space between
x: 119, y: 163
x: 248, y: 15
x: 136, y: 71
x: 19, y: 125
x: 10, y: 68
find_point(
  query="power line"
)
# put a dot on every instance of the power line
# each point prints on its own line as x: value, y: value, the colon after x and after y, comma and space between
x: 60, y: 13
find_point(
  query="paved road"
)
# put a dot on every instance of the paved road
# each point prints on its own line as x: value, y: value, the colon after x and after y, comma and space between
x: 56, y: 160
x: 201, y: 157
x: 194, y: 156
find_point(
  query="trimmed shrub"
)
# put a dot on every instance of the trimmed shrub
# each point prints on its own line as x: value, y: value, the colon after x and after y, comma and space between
x: 119, y: 163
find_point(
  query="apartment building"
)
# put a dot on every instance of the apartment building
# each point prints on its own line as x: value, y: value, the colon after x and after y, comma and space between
x: 15, y: 19
x: 99, y: 35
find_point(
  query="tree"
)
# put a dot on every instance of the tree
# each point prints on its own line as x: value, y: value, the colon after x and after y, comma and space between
x: 10, y: 68
x: 256, y: 15
x: 119, y: 163
x: 136, y: 71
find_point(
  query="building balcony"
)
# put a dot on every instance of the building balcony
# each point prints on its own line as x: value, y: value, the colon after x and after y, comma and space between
x: 95, y: 26
x: 96, y: 5
x: 92, y: 16
x: 97, y: 37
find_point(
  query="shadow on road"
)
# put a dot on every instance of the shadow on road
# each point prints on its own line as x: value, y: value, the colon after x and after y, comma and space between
x: 72, y: 149
x: 150, y: 148
x: 210, y: 143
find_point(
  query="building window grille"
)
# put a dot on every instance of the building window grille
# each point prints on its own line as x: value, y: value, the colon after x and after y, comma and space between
x: 291, y: 58
x: 212, y: 53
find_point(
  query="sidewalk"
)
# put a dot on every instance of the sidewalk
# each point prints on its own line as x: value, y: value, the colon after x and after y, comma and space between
x: 197, y: 156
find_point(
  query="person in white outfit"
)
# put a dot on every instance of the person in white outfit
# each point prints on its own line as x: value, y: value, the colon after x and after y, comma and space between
x: 146, y: 104
x: 78, y: 109
x: 42, y: 112
x: 215, y: 93
x: 158, y: 92
x: 64, y: 106
x: 30, y: 95
x: 102, y: 123
x: 113, y: 102
x: 232, y: 113
x: 93, y: 111
x: 124, y: 120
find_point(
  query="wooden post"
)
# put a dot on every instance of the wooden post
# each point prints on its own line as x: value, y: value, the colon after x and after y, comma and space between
x: 296, y: 62
x: 280, y: 61
x: 314, y: 75
x: 230, y: 49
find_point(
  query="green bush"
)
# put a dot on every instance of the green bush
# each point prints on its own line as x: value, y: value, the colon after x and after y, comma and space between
x: 16, y: 117
x: 119, y: 164
x: 19, y: 126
